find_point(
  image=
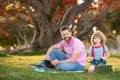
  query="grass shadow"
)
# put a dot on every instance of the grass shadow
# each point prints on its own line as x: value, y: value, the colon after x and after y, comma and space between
x: 115, y: 55
x: 30, y: 53
x: 4, y: 55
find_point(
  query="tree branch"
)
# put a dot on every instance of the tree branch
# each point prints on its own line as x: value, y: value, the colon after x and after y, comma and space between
x: 46, y: 5
x: 53, y: 8
x: 91, y: 23
x: 40, y: 9
x: 72, y: 12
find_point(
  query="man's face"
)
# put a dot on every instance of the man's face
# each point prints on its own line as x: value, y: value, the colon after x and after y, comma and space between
x: 66, y: 35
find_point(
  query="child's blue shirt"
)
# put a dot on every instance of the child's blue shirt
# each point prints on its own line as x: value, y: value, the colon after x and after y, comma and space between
x: 98, y: 52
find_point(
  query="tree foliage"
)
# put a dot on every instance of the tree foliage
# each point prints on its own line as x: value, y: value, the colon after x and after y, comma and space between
x: 42, y: 19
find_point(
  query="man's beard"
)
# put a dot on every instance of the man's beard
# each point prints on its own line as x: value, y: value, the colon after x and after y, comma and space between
x: 67, y: 39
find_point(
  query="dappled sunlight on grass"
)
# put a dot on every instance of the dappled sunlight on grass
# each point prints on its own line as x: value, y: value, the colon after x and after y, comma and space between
x: 12, y: 68
x: 21, y: 61
x: 16, y: 68
x: 115, y: 62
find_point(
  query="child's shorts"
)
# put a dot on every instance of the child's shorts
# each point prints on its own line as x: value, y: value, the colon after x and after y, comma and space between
x: 98, y: 62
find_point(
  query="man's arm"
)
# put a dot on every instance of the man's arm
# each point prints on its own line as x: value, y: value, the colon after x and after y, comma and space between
x: 73, y: 58
x: 55, y: 46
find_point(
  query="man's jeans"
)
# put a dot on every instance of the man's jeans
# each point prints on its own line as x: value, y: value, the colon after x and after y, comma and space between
x: 66, y: 66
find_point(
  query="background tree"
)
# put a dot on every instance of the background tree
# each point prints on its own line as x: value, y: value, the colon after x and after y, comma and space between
x: 47, y: 16
x: 47, y: 29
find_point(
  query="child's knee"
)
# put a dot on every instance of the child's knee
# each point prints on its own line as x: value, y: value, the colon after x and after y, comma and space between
x: 91, y: 69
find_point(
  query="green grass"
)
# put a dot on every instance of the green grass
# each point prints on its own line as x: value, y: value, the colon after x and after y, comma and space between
x: 16, y: 68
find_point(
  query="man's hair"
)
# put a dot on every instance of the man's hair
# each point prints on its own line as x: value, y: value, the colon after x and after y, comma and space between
x: 65, y: 27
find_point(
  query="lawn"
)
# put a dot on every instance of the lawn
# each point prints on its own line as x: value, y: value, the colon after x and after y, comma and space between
x: 15, y: 67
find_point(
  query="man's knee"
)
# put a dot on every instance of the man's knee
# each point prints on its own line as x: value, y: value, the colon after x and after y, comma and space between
x: 55, y: 50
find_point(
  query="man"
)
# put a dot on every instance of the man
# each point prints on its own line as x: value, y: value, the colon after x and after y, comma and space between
x: 75, y: 57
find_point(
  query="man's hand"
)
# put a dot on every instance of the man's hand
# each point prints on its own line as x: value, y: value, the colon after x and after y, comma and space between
x: 55, y: 62
x: 47, y: 57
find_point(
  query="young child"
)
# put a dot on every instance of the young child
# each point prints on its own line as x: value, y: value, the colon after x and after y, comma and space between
x: 98, y: 50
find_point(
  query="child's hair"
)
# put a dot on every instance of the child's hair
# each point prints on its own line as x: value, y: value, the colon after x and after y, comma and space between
x: 100, y: 35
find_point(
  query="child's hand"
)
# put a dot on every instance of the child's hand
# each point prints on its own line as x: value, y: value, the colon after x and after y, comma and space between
x: 103, y: 58
x: 91, y: 58
x: 47, y: 57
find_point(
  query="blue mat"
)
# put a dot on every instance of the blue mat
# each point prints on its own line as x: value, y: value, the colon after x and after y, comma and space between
x: 42, y: 70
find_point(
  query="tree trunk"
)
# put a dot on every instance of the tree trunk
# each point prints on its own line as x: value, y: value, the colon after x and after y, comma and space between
x: 42, y: 39
x: 45, y: 35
